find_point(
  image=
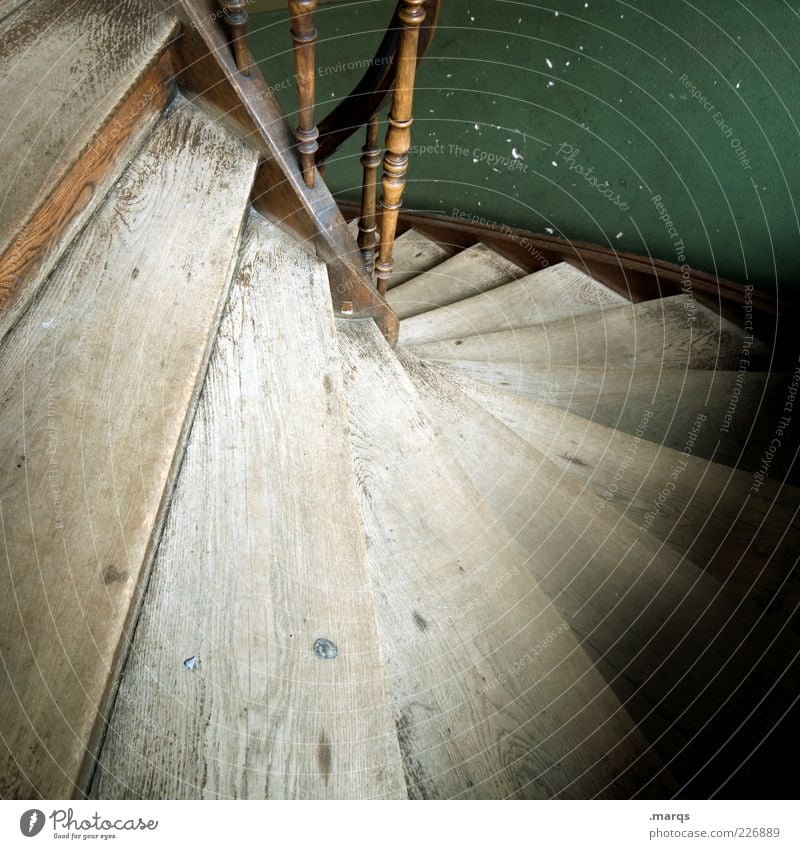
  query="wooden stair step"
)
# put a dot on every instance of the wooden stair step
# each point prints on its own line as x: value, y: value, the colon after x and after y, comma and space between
x: 673, y: 401
x: 84, y: 86
x: 474, y: 270
x: 9, y: 6
x: 749, y: 539
x: 412, y: 254
x: 671, y: 332
x: 661, y: 630
x: 493, y: 695
x: 554, y: 293
x: 99, y: 380
x: 277, y: 562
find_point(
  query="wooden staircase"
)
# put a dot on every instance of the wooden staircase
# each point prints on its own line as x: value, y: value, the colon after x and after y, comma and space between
x: 252, y: 550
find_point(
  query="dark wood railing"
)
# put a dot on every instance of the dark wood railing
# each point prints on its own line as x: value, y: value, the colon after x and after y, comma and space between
x: 391, y: 73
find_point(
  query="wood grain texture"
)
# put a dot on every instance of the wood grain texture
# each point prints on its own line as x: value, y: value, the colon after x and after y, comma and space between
x: 98, y: 380
x: 9, y: 6
x: 38, y: 246
x: 493, y: 695
x: 702, y: 508
x: 476, y: 269
x: 67, y: 74
x: 659, y: 627
x: 668, y: 333
x: 555, y: 293
x: 247, y: 104
x: 413, y: 254
x: 674, y: 400
x: 262, y: 554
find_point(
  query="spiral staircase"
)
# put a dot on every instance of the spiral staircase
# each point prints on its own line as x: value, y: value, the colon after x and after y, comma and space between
x: 544, y: 547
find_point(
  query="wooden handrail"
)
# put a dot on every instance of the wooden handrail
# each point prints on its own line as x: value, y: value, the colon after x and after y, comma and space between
x: 376, y: 84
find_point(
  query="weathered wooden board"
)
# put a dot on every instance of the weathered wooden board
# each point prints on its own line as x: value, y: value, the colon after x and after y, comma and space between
x: 97, y: 381
x: 476, y: 269
x: 673, y: 401
x: 263, y: 554
x: 493, y: 694
x: 749, y: 539
x: 668, y: 333
x: 555, y: 293
x: 82, y: 87
x: 660, y: 628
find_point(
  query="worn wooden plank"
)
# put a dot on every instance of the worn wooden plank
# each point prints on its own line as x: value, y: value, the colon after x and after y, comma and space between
x: 476, y: 269
x: 36, y: 248
x: 9, y: 6
x: 90, y: 65
x: 555, y: 293
x: 493, y: 695
x: 668, y: 333
x: 674, y: 400
x: 660, y: 627
x: 413, y: 254
x: 277, y: 562
x: 710, y: 511
x: 98, y: 380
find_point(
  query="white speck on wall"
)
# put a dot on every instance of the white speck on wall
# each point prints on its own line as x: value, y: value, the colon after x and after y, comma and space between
x: 619, y: 235
x: 472, y: 18
x: 477, y: 127
x: 449, y: 76
x: 549, y: 230
x: 738, y: 84
x: 474, y: 159
x: 550, y: 84
x: 549, y: 63
x: 515, y: 153
x: 554, y: 164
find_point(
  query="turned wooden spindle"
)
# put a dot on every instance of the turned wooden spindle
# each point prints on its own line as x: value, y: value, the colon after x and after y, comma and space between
x: 236, y: 19
x: 304, y: 36
x: 367, y: 228
x: 398, y: 137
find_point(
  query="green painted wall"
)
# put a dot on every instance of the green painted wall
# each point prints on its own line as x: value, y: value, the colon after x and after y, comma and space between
x: 576, y: 116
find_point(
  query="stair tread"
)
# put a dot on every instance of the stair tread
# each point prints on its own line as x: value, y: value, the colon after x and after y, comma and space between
x: 673, y: 332
x: 710, y: 511
x: 458, y: 614
x: 476, y: 269
x: 414, y: 253
x: 77, y: 63
x: 551, y: 294
x: 279, y: 561
x: 642, y: 608
x: 97, y: 379
x: 619, y: 397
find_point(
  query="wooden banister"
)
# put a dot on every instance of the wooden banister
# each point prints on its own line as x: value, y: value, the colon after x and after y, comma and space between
x: 236, y: 19
x: 376, y: 84
x: 304, y: 36
x: 398, y: 136
x: 367, y: 228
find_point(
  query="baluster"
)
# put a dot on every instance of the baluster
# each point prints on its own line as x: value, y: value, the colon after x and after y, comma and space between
x: 236, y: 19
x: 304, y: 36
x: 398, y: 137
x: 367, y: 229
